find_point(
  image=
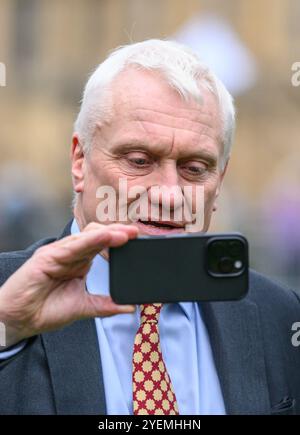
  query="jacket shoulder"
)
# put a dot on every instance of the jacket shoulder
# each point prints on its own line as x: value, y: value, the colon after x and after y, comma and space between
x: 269, y: 293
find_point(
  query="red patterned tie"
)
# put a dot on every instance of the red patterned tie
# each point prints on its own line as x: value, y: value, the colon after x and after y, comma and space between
x: 153, y: 393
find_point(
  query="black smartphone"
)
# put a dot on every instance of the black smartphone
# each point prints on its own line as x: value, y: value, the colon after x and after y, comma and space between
x: 179, y: 268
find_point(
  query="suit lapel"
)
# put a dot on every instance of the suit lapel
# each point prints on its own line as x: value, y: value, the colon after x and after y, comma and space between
x: 75, y: 365
x: 237, y: 345
x: 75, y: 369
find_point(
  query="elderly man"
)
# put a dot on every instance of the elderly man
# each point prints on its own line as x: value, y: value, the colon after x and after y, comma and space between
x: 154, y: 115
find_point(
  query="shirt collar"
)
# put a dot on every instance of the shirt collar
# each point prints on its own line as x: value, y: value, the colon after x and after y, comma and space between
x: 100, y: 267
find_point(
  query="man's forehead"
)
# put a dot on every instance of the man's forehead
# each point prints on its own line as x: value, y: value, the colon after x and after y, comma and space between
x: 146, y: 105
x: 139, y: 93
x: 145, y: 86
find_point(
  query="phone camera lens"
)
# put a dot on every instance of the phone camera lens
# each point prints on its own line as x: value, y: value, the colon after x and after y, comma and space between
x: 235, y: 248
x: 217, y: 249
x: 226, y: 265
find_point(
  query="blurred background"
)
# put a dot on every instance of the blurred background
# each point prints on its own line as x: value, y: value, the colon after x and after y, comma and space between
x: 50, y: 47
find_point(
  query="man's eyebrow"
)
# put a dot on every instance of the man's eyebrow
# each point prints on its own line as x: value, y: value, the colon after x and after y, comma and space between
x: 136, y: 144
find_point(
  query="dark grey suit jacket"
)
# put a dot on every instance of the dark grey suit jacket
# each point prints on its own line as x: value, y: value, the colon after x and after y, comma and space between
x: 259, y: 368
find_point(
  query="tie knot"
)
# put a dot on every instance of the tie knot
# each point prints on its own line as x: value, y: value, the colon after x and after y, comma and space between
x: 150, y: 313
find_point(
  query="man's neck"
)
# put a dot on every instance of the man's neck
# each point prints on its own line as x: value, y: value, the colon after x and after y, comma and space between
x: 79, y: 217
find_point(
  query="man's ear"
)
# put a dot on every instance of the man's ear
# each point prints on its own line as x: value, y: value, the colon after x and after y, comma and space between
x: 77, y: 159
x: 220, y: 184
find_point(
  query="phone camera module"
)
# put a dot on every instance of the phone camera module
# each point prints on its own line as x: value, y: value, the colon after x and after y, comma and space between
x: 226, y: 257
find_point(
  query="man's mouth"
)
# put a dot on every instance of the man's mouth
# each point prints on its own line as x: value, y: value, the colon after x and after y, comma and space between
x: 159, y: 227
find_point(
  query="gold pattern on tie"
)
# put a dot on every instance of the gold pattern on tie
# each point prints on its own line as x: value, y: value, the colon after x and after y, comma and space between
x: 153, y: 393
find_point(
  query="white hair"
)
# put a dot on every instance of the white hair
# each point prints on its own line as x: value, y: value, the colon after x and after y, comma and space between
x: 177, y: 64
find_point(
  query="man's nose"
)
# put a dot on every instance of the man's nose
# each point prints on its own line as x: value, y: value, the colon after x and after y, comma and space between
x: 166, y: 190
x: 168, y: 174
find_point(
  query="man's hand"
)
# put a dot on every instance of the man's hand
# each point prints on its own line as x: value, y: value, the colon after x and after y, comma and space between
x: 48, y: 291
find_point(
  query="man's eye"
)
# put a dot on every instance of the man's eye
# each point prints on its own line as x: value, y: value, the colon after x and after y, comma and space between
x: 138, y: 160
x: 196, y: 169
x: 193, y: 169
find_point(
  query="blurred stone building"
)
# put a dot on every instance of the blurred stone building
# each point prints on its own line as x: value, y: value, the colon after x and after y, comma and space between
x: 50, y: 47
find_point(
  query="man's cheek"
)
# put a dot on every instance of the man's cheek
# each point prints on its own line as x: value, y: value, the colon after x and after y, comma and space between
x: 209, y: 198
x: 209, y: 201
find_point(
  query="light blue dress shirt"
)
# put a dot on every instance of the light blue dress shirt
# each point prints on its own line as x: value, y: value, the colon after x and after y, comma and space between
x: 185, y: 347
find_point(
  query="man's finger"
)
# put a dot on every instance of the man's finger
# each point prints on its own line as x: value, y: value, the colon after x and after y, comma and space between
x: 103, y: 306
x: 85, y: 245
x: 129, y: 229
